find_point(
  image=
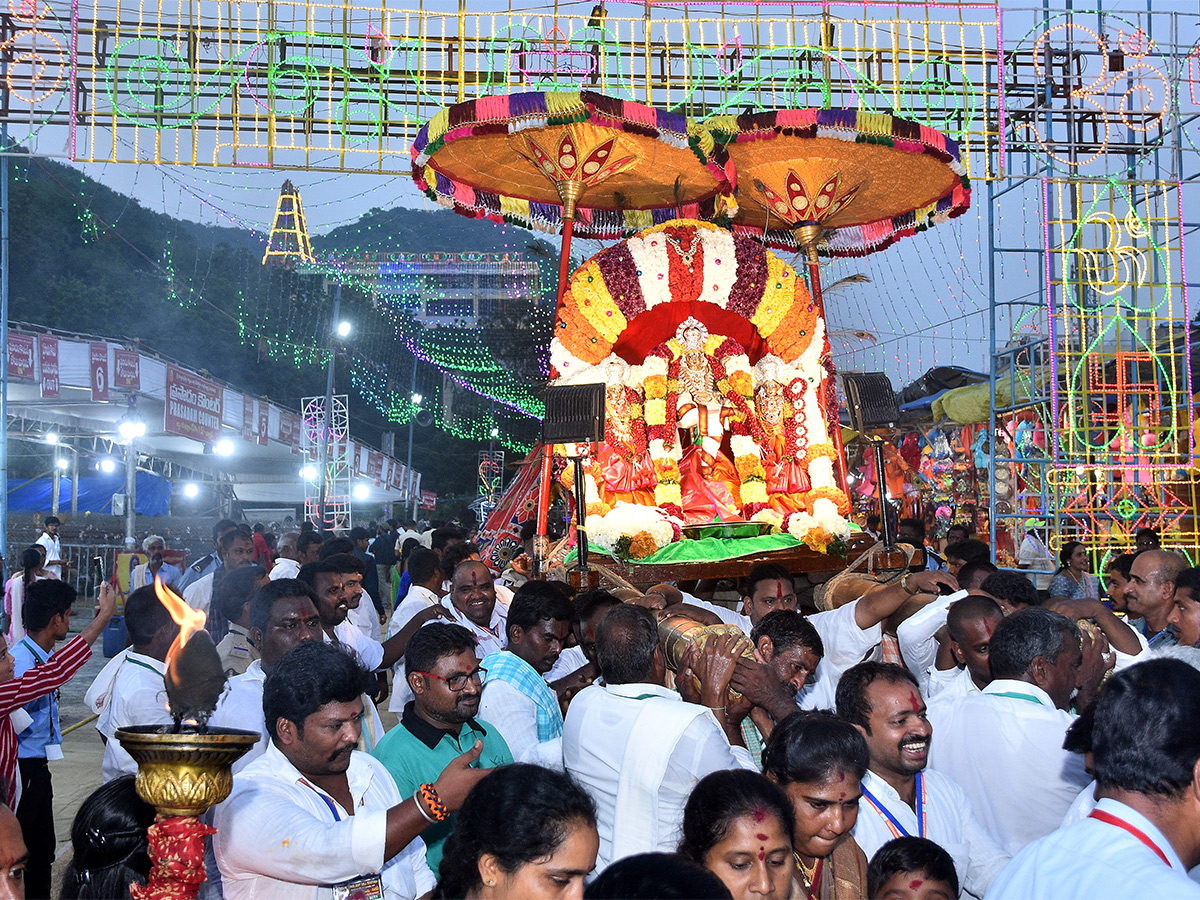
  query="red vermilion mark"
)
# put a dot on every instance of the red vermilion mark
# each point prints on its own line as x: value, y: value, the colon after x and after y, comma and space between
x: 915, y: 701
x: 779, y: 590
x: 915, y: 884
x: 759, y: 815
x: 842, y: 795
x: 841, y: 777
x: 762, y: 854
x: 989, y: 627
x: 761, y: 837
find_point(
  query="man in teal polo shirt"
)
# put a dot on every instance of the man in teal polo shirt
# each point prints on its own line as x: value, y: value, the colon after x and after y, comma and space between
x: 439, y: 723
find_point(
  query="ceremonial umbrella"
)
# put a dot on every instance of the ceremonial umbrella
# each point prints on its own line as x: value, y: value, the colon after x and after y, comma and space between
x: 531, y: 158
x: 546, y: 159
x: 834, y: 182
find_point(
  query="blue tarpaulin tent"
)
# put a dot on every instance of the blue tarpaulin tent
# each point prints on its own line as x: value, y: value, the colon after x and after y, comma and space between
x: 95, y: 493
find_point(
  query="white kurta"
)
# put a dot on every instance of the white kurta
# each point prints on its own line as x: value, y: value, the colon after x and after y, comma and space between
x: 515, y: 716
x: 949, y: 822
x: 279, y: 836
x: 137, y: 696
x: 598, y: 729
x: 1094, y: 859
x: 1006, y: 753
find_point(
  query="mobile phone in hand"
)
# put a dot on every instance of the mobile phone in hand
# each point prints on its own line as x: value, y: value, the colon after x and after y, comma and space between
x: 98, y: 570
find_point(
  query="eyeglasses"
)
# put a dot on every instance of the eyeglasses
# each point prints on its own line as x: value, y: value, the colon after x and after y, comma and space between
x: 457, y: 683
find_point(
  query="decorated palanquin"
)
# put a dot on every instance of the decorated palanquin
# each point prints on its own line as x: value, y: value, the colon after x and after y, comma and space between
x: 717, y: 375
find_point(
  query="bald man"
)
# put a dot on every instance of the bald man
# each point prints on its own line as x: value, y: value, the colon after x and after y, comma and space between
x: 1151, y: 593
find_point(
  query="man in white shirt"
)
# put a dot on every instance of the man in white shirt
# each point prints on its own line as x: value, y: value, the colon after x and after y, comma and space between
x: 236, y: 550
x: 420, y: 605
x: 49, y: 540
x: 1150, y: 593
x: 1141, y: 839
x: 576, y: 666
x: 970, y: 624
x: 1004, y: 746
x: 313, y: 817
x: 287, y: 557
x: 901, y: 798
x: 516, y: 697
x: 327, y: 582
x: 473, y: 605
x: 636, y: 747
x: 282, y: 616
x: 136, y: 695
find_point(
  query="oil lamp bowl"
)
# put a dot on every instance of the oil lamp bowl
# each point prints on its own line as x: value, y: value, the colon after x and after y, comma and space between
x: 184, y: 773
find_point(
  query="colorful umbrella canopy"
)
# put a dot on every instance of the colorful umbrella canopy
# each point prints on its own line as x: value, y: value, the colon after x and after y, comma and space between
x: 524, y: 158
x: 838, y: 182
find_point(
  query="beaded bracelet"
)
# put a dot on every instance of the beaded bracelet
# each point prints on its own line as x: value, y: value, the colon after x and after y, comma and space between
x: 436, y: 807
x: 421, y: 807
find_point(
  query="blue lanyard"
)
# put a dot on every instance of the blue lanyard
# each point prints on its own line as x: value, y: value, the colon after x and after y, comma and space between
x: 332, y: 806
x: 894, y: 825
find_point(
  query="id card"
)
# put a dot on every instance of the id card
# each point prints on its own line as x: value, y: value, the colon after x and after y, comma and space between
x: 54, y: 751
x: 365, y: 887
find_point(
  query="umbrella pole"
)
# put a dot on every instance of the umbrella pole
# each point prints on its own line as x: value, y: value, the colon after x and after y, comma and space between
x: 570, y: 193
x: 831, y: 415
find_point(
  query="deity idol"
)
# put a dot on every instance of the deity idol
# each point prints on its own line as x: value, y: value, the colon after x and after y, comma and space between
x: 708, y: 480
x: 782, y: 454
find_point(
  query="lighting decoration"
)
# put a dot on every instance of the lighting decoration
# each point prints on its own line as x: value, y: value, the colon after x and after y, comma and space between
x: 288, y: 242
x: 1120, y: 357
x: 361, y: 491
x: 223, y: 447
x: 191, y: 490
x: 51, y: 437
x: 332, y: 429
x: 107, y: 465
x: 62, y: 464
x: 350, y: 94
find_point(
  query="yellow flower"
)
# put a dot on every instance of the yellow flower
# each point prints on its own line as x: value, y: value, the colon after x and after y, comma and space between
x: 818, y: 538
x: 655, y: 385
x: 740, y: 382
x: 599, y: 508
x: 779, y: 294
x: 753, y: 492
x: 656, y: 412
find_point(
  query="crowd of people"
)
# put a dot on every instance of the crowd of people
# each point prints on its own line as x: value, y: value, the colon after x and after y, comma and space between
x: 1001, y: 741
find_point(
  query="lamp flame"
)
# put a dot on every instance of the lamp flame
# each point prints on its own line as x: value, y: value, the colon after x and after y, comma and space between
x: 189, y: 620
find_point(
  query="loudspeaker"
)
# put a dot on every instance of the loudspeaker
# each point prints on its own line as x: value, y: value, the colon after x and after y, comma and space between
x: 574, y: 414
x: 871, y: 400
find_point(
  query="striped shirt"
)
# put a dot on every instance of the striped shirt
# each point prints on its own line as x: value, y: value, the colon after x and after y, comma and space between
x: 39, y: 681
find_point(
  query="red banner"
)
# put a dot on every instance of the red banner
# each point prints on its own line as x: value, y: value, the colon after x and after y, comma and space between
x: 21, y: 354
x: 98, y: 359
x: 248, y: 419
x: 428, y: 500
x: 127, y: 369
x: 48, y: 354
x: 375, y: 465
x: 263, y: 420
x: 289, y: 430
x: 194, y: 406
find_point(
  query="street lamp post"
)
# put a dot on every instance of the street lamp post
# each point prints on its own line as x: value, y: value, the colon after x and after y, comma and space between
x: 131, y: 426
x: 416, y: 401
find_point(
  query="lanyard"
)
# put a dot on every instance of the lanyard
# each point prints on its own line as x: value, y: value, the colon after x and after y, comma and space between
x: 891, y: 821
x: 147, y: 666
x: 1017, y: 696
x: 328, y: 802
x: 52, y: 698
x: 1109, y: 819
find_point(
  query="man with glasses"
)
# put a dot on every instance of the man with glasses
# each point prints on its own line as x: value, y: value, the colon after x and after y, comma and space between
x: 439, y: 723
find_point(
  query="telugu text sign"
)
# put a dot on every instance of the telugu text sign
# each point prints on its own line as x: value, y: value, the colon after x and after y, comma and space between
x: 48, y: 354
x: 21, y: 353
x: 98, y: 363
x: 127, y: 369
x: 194, y: 406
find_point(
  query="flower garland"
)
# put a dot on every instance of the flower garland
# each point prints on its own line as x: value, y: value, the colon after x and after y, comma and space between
x: 632, y: 531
